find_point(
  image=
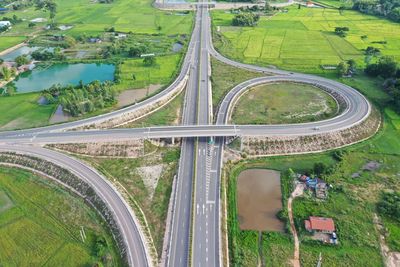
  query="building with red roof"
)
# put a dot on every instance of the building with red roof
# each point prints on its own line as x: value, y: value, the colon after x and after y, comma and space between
x: 320, y: 224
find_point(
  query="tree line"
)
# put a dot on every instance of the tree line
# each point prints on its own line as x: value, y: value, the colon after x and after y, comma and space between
x: 386, y: 8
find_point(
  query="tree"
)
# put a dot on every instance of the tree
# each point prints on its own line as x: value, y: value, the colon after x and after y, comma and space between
x: 372, y: 51
x: 341, y: 31
x: 352, y: 65
x: 149, y: 61
x: 47, y: 5
x: 137, y: 50
x: 6, y: 73
x: 21, y: 60
x: 343, y: 68
x: 387, y: 66
x: 133, y: 76
x: 245, y: 19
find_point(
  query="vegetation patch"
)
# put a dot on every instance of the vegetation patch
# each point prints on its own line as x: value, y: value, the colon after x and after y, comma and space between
x: 283, y: 103
x: 275, y: 40
x: 46, y: 224
x: 224, y: 77
x: 154, y: 200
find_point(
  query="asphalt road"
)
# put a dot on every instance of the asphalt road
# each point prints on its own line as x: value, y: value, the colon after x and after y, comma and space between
x: 178, y: 251
x: 201, y: 162
x: 134, y: 240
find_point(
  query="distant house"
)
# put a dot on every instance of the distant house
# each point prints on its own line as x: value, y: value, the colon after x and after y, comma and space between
x: 320, y: 224
x: 5, y: 23
x: 94, y: 40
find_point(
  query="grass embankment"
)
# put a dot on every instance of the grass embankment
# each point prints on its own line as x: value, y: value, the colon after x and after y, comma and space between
x: 133, y: 174
x: 283, y: 103
x: 40, y: 224
x: 170, y: 114
x: 303, y: 39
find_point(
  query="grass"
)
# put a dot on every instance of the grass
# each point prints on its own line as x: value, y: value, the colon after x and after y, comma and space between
x: 224, y: 77
x: 92, y: 18
x: 303, y: 39
x: 161, y: 73
x: 43, y: 224
x: 9, y: 41
x: 19, y: 111
x: 170, y: 114
x: 138, y: 16
x: 125, y: 171
x: 283, y: 103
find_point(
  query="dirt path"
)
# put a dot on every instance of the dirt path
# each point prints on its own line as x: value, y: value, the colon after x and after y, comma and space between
x: 298, y: 191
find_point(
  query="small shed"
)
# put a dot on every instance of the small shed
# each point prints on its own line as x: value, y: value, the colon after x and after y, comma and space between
x: 320, y: 224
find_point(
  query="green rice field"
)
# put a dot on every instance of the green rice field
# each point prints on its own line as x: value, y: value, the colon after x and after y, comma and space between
x: 303, y: 39
x: 41, y: 224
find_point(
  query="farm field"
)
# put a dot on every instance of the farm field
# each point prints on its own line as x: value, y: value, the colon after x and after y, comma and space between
x: 303, y: 39
x: 283, y: 103
x: 91, y: 18
x: 40, y: 224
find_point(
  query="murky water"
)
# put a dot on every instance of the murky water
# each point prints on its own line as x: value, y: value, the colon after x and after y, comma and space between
x: 259, y: 199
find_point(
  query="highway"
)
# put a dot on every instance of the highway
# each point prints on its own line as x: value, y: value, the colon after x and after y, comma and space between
x: 198, y: 180
x: 137, y: 254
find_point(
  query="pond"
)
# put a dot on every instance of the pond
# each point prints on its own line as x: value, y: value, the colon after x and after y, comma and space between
x: 176, y: 47
x: 259, y: 199
x: 64, y: 74
x: 24, y: 50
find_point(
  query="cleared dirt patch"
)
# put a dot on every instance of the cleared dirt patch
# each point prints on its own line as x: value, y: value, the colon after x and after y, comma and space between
x: 129, y: 97
x: 259, y: 200
x: 284, y: 103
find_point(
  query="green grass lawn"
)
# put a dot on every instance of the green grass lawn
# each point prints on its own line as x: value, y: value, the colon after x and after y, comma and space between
x: 42, y: 225
x: 303, y: 39
x: 283, y: 103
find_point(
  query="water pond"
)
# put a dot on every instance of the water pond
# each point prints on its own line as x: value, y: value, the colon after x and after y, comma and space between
x: 259, y: 199
x: 64, y: 74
